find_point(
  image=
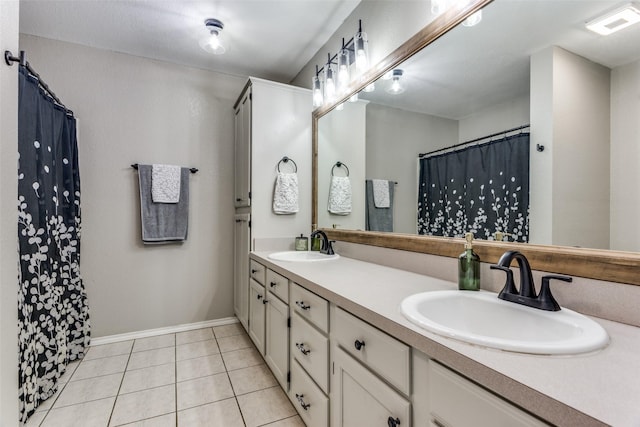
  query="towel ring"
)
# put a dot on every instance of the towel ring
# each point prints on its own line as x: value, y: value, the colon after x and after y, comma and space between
x: 285, y: 159
x: 339, y: 164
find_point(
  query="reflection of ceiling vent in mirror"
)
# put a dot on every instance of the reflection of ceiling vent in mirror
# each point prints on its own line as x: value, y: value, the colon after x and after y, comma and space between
x: 615, y: 20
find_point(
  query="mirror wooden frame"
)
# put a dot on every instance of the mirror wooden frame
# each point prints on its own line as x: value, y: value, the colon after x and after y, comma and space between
x: 613, y: 266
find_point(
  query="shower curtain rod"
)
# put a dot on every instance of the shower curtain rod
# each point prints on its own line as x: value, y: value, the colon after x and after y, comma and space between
x: 9, y: 59
x: 504, y: 132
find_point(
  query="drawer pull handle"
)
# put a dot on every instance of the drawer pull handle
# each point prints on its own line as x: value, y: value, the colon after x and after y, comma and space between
x: 259, y: 296
x: 253, y: 271
x: 305, y: 406
x: 393, y: 422
x: 358, y: 345
x: 303, y: 350
x: 264, y: 301
x: 272, y: 284
x: 302, y: 305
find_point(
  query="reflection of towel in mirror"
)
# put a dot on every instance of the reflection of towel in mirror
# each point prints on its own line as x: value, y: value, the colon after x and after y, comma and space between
x: 381, y: 193
x: 163, y: 222
x: 340, y: 195
x: 165, y: 183
x: 285, y: 194
x: 378, y: 219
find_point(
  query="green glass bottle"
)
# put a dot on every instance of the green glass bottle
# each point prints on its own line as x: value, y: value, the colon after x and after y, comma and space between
x: 469, y: 267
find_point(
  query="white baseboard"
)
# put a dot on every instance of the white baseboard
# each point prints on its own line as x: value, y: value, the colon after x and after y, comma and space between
x: 109, y: 339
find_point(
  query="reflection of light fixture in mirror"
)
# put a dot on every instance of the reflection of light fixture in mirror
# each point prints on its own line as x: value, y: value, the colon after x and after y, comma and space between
x: 211, y: 43
x: 329, y: 81
x: 354, y: 97
x: 361, y: 49
x: 370, y: 87
x: 396, y: 86
x: 340, y: 106
x: 318, y: 99
x: 615, y: 20
x: 473, y: 19
x: 388, y: 75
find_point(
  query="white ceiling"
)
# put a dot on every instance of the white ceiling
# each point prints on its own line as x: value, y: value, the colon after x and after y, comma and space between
x: 272, y: 39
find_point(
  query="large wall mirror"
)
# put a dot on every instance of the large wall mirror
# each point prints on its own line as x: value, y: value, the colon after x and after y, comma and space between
x: 528, y: 67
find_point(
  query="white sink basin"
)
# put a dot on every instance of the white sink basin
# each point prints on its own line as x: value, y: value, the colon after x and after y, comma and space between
x: 302, y: 256
x: 481, y: 318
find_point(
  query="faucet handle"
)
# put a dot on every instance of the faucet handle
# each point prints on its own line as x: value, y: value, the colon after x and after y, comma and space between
x: 509, y: 286
x: 545, y: 298
x: 330, y: 250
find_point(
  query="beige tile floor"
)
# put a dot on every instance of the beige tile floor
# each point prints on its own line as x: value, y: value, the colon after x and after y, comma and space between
x: 205, y: 377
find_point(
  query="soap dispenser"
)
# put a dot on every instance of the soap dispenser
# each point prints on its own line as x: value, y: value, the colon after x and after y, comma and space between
x: 469, y: 267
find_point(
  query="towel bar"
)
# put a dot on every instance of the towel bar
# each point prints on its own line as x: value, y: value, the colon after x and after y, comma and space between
x: 135, y: 166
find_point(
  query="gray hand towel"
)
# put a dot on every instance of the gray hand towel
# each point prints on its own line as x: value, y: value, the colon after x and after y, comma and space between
x: 378, y: 219
x: 163, y: 222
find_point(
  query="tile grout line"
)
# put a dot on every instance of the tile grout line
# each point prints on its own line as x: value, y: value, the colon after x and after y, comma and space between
x: 235, y: 396
x: 175, y: 373
x: 113, y: 408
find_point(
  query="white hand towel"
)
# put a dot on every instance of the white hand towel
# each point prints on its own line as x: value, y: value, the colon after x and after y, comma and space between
x: 165, y: 183
x: 285, y: 195
x: 340, y: 195
x: 381, y: 193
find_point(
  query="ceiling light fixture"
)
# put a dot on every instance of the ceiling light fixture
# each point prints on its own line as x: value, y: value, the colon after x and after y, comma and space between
x: 212, y: 43
x: 615, y: 20
x: 396, y: 86
x: 334, y: 77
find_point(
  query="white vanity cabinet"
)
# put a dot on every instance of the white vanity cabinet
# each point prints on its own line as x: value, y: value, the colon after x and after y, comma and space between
x: 455, y: 401
x: 276, y: 352
x: 309, y: 350
x: 370, y: 374
x: 241, y: 245
x: 256, y: 314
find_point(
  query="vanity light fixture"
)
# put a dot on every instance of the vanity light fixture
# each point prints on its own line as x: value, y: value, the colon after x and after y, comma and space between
x: 335, y: 76
x: 212, y: 43
x: 396, y: 85
x: 615, y: 20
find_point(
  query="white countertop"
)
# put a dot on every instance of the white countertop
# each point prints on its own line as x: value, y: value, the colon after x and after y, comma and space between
x: 597, y: 388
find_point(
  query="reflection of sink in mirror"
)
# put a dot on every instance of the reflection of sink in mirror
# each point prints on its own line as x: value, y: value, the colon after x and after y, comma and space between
x: 302, y: 256
x: 481, y: 318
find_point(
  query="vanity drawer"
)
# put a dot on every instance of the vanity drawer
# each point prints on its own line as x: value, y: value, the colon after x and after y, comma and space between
x: 278, y: 285
x: 310, y: 306
x: 449, y: 392
x: 311, y: 349
x: 374, y: 348
x: 257, y: 271
x: 308, y: 399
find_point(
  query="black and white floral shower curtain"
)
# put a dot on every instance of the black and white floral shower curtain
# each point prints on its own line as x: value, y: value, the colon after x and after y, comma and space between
x: 53, y: 314
x: 480, y: 189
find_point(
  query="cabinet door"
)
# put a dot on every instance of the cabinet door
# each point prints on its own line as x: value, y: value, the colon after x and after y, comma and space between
x: 241, y: 247
x: 242, y: 152
x: 256, y: 314
x: 277, y: 339
x: 359, y: 398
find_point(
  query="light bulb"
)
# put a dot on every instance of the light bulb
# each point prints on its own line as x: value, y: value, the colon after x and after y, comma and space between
x: 343, y: 70
x: 361, y: 48
x: 212, y: 43
x: 354, y: 98
x: 317, y: 92
x: 396, y: 87
x: 329, y: 84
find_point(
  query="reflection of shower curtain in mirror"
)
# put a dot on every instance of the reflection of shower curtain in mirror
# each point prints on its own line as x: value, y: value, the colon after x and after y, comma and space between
x: 482, y: 189
x: 53, y: 315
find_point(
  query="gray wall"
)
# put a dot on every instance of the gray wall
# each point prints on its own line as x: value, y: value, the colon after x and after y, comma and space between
x: 625, y: 157
x: 394, y: 139
x: 131, y: 110
x: 9, y: 17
